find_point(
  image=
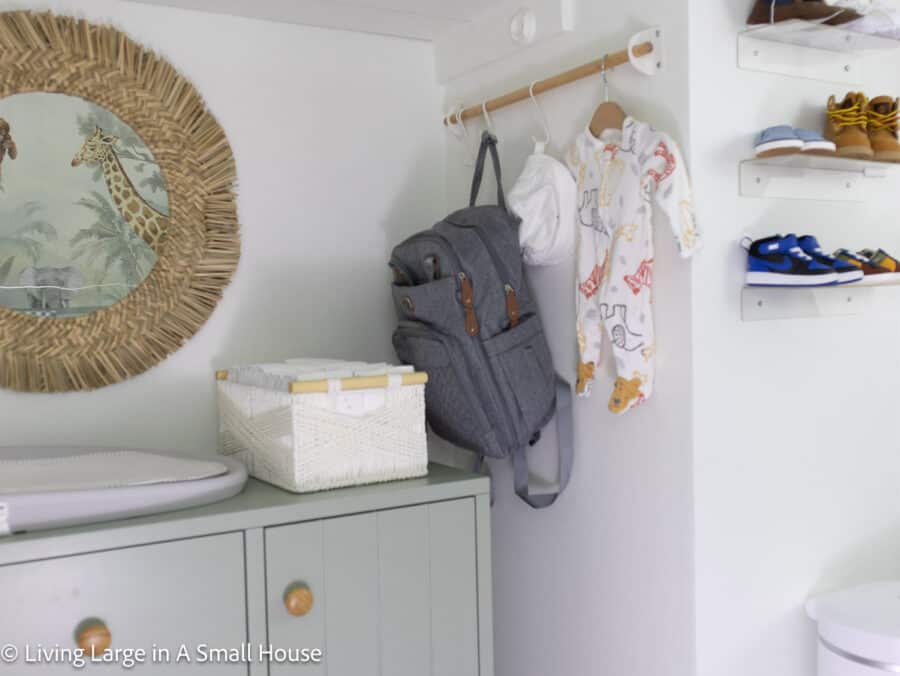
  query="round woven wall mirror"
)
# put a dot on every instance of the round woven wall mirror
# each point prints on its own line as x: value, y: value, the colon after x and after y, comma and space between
x: 118, y: 223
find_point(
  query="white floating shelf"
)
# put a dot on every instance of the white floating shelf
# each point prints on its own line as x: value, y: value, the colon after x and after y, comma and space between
x: 813, y: 177
x: 809, y: 50
x: 821, y: 36
x: 761, y: 303
x: 887, y: 279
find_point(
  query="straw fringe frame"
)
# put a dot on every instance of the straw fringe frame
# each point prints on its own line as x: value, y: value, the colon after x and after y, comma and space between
x: 42, y: 52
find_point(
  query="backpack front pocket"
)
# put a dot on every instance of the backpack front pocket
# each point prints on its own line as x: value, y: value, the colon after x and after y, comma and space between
x: 438, y: 305
x: 523, y: 366
x: 451, y: 397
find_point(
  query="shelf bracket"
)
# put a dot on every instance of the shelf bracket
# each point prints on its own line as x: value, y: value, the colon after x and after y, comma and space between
x: 761, y: 303
x: 875, y: 172
x: 808, y: 178
x: 768, y: 56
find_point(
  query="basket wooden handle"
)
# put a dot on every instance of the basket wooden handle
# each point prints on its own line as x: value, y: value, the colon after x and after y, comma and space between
x: 298, y: 600
x: 94, y: 638
x: 358, y: 383
x: 348, y: 384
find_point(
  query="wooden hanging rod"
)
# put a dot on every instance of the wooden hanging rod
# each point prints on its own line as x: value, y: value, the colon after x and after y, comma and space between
x: 585, y: 70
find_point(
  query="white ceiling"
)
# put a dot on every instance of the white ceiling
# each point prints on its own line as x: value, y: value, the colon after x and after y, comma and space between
x: 419, y: 19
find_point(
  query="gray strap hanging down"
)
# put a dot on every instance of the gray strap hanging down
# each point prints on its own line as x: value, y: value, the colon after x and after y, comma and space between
x: 565, y: 432
x: 488, y: 142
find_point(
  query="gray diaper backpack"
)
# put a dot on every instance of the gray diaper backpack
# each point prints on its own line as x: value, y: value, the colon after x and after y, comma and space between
x: 468, y: 320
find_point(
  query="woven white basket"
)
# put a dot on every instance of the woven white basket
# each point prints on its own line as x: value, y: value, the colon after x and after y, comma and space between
x: 326, y: 433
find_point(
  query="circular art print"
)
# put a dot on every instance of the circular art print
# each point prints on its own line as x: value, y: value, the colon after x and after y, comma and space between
x: 84, y: 209
x: 118, y: 224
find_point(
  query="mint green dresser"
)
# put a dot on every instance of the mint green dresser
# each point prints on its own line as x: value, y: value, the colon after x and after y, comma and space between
x: 385, y: 580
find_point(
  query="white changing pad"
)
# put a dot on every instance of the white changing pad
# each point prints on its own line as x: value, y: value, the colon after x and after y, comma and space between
x: 101, y: 469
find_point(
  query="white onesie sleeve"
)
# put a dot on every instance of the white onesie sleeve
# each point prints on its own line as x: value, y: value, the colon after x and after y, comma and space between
x: 666, y: 175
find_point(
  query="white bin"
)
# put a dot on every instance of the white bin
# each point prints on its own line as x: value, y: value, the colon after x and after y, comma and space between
x: 858, y: 630
x: 310, y: 425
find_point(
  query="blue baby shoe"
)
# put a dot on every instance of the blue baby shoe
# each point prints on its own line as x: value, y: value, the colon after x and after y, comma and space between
x: 846, y: 272
x: 815, y: 143
x: 779, y: 140
x: 786, y: 140
x: 779, y: 261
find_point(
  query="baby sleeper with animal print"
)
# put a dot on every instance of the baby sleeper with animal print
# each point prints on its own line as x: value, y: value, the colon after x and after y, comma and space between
x: 621, y: 176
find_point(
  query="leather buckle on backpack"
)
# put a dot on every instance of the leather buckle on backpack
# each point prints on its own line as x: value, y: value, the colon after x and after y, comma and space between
x: 467, y: 296
x: 512, y: 305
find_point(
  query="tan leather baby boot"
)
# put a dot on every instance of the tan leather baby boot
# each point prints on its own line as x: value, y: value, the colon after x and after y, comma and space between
x: 883, y: 115
x: 847, y: 124
x: 775, y: 11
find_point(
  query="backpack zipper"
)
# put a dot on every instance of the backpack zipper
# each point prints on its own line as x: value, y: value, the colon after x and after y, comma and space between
x: 466, y: 290
x: 512, y: 305
x: 467, y: 294
x: 512, y: 302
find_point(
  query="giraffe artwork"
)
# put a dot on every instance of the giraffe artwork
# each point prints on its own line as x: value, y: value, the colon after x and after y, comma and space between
x: 81, y: 225
x: 149, y: 224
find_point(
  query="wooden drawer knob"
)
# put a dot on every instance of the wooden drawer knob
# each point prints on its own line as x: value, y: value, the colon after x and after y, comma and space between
x: 298, y: 600
x: 93, y: 638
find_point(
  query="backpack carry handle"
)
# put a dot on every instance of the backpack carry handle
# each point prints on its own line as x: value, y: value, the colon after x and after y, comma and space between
x: 488, y: 142
x: 565, y: 432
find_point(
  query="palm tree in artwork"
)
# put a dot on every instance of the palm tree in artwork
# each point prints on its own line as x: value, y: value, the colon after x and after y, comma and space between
x: 25, y: 240
x: 110, y: 241
x: 6, y: 268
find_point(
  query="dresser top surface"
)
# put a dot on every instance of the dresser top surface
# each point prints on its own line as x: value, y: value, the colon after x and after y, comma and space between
x: 260, y: 505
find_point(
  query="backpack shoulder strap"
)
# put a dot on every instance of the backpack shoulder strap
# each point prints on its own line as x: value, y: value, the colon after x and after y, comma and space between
x: 565, y: 432
x: 488, y: 142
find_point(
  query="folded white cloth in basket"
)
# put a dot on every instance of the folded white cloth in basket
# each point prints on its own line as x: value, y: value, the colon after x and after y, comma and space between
x: 101, y: 469
x: 280, y: 376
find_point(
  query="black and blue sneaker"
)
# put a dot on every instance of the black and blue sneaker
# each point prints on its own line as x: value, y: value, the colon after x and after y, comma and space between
x: 846, y: 272
x: 779, y: 261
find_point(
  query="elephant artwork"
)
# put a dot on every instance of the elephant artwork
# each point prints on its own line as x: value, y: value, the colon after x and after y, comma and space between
x: 51, y: 288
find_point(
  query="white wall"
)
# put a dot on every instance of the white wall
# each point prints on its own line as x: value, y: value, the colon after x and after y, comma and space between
x: 601, y: 582
x: 796, y: 464
x: 339, y: 156
x: 762, y: 470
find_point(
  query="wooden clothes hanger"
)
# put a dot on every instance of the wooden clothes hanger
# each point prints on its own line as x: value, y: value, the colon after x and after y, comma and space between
x: 609, y: 114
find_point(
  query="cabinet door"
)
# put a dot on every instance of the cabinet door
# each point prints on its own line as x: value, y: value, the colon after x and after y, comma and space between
x: 394, y: 593
x: 188, y: 592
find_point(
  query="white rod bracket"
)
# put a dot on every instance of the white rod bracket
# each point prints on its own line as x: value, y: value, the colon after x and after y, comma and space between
x: 655, y: 61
